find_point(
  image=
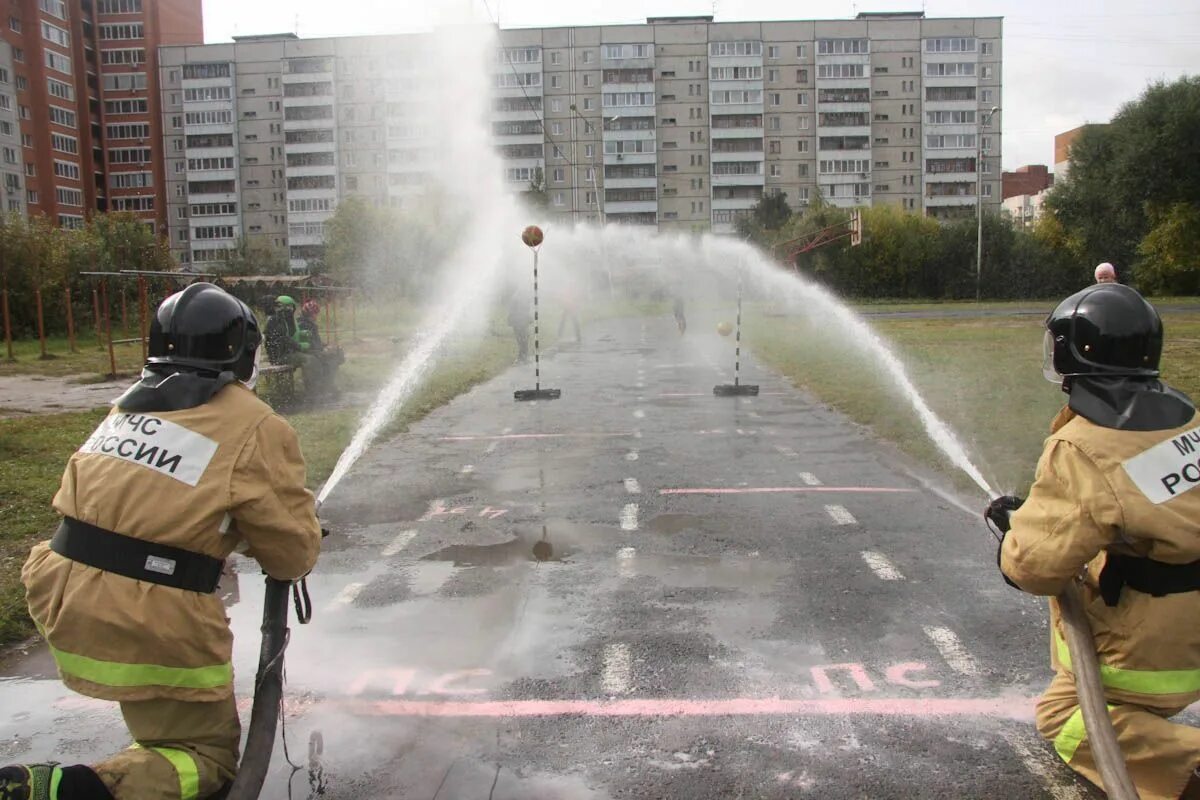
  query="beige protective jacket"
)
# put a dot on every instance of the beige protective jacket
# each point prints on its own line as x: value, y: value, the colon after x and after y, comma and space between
x: 204, y: 479
x: 1129, y: 492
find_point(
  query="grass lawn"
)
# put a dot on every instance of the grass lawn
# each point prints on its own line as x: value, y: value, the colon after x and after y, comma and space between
x: 983, y: 376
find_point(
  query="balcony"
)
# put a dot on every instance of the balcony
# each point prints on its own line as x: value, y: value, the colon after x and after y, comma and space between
x: 648, y: 182
x: 630, y: 158
x: 631, y: 206
x: 950, y: 200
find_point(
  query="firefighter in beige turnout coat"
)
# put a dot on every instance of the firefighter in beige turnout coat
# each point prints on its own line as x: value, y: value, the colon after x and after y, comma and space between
x: 1115, y: 496
x: 188, y: 467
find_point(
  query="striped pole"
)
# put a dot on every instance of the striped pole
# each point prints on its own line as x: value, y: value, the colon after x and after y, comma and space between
x: 537, y: 345
x: 737, y: 352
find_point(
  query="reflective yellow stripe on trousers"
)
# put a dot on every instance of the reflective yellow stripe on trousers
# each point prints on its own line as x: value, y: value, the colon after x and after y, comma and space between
x: 113, y: 673
x: 1143, y: 681
x: 185, y: 767
x: 1071, y: 735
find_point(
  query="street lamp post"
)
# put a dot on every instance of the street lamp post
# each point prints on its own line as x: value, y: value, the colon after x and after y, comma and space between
x: 987, y: 118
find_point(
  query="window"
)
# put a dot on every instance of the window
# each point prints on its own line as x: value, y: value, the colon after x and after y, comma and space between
x: 555, y: 104
x: 987, y: 190
x: 207, y: 93
x: 949, y: 93
x: 841, y: 70
x: 950, y: 140
x: 776, y: 98
x: 950, y: 45
x: 510, y: 80
x: 737, y: 73
x: 803, y: 123
x: 55, y: 34
x: 23, y: 112
x: 773, y: 146
x: 64, y: 144
x: 119, y: 6
x: 559, y: 175
x: 558, y: 199
x: 63, y: 91
x: 217, y: 70
x: 297, y: 206
x: 14, y: 24
x: 6, y: 128
x: 735, y: 48
x: 950, y: 117
x: 22, y: 83
x: 213, y: 232
x: 70, y: 221
x: 69, y: 197
x: 802, y: 146
x: 129, y: 155
x: 55, y: 8
x: 145, y: 203
x: 125, y: 81
x: 10, y: 156
x: 209, y: 117
x: 801, y: 51
x: 130, y: 180
x: 125, y: 55
x: 802, y: 76
x: 954, y: 69
x: 985, y: 95
x: 842, y: 46
x: 18, y: 55
x: 987, y: 48
x: 623, y: 146
x: 733, y: 97
x: 61, y: 116
x: 135, y: 106
x: 521, y: 55
x: 776, y: 170
x: 5, y: 102
x: 58, y: 62
x: 802, y: 99
x: 843, y: 166
x: 31, y: 196
x: 773, y: 51
x: 985, y: 143
x: 986, y: 73
x: 556, y: 58
x: 588, y: 56
x: 587, y: 80
x: 588, y: 105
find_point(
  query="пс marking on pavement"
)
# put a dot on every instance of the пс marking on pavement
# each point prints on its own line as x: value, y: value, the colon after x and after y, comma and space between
x: 840, y: 515
x: 629, y: 517
x: 882, y: 566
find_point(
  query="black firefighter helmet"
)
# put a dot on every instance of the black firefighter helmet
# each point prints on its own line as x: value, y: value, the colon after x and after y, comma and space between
x: 205, y: 328
x: 1106, y: 330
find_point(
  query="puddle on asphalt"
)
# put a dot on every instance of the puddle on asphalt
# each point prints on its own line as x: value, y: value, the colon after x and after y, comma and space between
x: 672, y: 523
x: 514, y: 551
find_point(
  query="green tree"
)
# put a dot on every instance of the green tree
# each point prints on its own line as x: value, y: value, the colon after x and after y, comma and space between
x: 256, y: 258
x: 1126, y: 178
x: 1170, y: 252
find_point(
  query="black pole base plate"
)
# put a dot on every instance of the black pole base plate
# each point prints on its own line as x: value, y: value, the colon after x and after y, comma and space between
x: 735, y: 389
x: 538, y: 394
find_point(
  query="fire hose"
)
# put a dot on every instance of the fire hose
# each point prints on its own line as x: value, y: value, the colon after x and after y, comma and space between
x: 1102, y: 737
x: 268, y: 685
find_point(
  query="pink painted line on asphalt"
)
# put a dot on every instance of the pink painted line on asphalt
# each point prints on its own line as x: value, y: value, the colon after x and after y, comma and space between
x: 1013, y: 708
x: 484, y: 437
x: 791, y: 490
x: 709, y: 394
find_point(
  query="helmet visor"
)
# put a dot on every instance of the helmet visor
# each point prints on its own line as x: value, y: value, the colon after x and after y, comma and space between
x: 1048, y: 370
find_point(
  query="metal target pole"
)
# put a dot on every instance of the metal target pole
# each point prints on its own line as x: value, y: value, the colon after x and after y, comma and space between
x: 737, y: 388
x: 737, y: 348
x: 537, y: 339
x: 537, y: 392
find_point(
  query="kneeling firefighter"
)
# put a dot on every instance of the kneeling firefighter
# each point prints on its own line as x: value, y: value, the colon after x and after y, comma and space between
x: 1115, y: 496
x: 189, y: 466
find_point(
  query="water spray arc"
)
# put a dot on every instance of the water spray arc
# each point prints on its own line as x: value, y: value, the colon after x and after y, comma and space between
x: 532, y: 237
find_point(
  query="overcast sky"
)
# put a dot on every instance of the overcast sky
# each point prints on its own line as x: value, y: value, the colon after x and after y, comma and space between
x: 1066, y: 62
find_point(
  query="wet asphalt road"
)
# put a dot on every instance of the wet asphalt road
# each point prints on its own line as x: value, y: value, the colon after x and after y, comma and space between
x: 526, y: 601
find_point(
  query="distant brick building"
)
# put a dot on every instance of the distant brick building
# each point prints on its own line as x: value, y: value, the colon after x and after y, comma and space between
x: 1029, y: 179
x: 79, y: 87
x: 1062, y: 149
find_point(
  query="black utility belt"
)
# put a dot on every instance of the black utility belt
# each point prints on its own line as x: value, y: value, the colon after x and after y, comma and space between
x: 1155, y: 578
x: 136, y: 558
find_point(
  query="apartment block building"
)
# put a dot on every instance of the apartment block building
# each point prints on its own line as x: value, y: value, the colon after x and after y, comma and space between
x: 81, y: 75
x: 680, y: 123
